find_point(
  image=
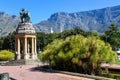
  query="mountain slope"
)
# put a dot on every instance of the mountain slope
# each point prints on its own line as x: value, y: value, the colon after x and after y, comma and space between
x: 8, y: 23
x: 94, y: 20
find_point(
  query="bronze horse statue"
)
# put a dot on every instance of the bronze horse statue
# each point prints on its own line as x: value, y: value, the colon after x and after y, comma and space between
x: 24, y: 16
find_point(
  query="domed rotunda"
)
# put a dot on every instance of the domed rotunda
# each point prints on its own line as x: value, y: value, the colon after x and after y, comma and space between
x: 25, y: 28
x: 25, y: 38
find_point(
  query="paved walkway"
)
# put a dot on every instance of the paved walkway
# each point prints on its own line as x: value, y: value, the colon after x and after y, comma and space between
x: 28, y: 73
x: 114, y: 66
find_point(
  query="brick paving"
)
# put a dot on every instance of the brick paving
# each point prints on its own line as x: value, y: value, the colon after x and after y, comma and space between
x: 26, y: 73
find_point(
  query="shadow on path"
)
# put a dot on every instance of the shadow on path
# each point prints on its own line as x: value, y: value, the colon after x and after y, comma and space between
x: 45, y: 68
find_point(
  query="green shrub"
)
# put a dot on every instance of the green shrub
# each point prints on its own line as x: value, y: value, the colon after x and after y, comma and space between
x: 78, y: 53
x: 6, y: 55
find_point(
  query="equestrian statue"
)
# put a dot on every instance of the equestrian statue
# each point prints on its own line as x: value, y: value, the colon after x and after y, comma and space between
x: 24, y: 16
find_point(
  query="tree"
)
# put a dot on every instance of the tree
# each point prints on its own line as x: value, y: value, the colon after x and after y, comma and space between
x: 112, y: 36
x: 76, y: 31
x: 65, y: 34
x: 1, y: 42
x: 44, y: 39
x: 40, y: 40
x: 9, y: 42
x: 78, y: 53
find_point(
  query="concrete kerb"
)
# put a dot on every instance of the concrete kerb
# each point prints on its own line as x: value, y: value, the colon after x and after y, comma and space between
x: 85, y: 75
x: 77, y: 74
x: 12, y: 78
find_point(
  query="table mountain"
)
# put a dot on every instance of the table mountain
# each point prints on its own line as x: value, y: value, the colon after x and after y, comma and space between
x: 8, y: 23
x: 94, y: 20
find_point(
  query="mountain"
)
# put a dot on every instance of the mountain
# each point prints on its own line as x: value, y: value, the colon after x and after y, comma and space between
x: 94, y: 20
x: 8, y: 23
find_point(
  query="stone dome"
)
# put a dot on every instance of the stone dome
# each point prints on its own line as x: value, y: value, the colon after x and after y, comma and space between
x: 25, y: 28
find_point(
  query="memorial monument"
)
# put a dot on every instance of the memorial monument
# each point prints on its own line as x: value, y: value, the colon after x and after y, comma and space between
x: 25, y: 39
x: 25, y: 42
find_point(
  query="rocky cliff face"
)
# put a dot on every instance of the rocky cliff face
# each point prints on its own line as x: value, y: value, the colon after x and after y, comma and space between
x: 94, y: 20
x: 8, y: 23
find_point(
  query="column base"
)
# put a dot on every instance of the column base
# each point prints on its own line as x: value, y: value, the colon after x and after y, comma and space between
x: 26, y: 56
x: 34, y: 57
x: 18, y: 57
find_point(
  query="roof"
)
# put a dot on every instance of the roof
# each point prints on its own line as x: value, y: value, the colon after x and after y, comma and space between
x: 25, y: 28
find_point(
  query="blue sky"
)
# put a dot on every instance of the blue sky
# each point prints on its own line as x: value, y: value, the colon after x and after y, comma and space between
x: 42, y: 9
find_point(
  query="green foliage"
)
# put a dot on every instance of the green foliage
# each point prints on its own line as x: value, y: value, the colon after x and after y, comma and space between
x: 78, y: 53
x: 44, y: 39
x: 76, y: 31
x: 40, y: 39
x: 112, y: 36
x: 1, y: 42
x: 8, y: 42
x: 6, y: 55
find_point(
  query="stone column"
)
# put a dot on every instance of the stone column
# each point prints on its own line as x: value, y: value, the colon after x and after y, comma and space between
x: 28, y: 46
x: 33, y: 52
x: 16, y: 45
x: 25, y: 48
x: 18, y: 49
x: 35, y: 48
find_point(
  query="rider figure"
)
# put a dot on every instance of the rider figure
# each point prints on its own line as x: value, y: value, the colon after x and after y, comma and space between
x: 24, y: 15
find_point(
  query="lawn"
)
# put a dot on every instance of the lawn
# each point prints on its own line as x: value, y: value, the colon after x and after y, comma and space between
x: 117, y: 62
